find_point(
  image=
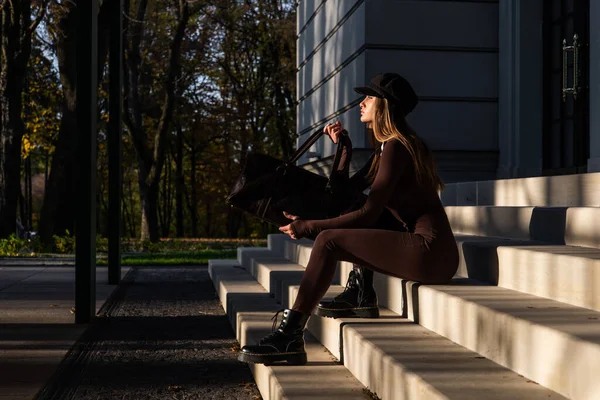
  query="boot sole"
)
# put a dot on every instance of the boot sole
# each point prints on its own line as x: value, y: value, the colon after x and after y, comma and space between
x: 357, y: 312
x: 268, y: 359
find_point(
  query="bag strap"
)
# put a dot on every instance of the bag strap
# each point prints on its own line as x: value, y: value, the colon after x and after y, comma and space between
x: 312, y: 140
x: 309, y: 142
x: 305, y: 146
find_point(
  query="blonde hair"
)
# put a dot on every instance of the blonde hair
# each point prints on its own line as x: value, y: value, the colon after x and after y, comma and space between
x: 388, y: 126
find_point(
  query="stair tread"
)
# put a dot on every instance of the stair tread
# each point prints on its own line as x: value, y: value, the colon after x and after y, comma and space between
x: 440, y: 375
x: 555, y: 225
x: 551, y: 342
x: 577, y: 321
x: 446, y: 369
x: 495, y: 240
x: 322, y: 378
x: 563, y: 250
x: 520, y: 304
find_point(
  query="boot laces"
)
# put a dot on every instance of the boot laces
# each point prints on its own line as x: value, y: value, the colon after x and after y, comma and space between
x: 274, y: 332
x: 351, y: 284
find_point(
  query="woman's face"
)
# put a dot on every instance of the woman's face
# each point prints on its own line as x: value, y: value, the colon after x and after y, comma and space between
x: 367, y: 109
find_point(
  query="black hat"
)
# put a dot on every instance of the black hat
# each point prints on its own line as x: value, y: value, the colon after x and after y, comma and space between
x: 392, y: 87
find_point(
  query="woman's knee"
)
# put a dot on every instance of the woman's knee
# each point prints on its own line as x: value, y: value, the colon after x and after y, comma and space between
x: 326, y: 239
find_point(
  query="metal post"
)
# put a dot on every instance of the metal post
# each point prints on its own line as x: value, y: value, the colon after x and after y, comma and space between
x: 115, y: 132
x: 87, y: 108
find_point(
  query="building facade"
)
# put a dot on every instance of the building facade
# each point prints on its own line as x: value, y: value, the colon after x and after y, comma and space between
x: 507, y: 87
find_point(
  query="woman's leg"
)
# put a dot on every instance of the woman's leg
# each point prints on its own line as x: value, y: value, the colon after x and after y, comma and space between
x: 399, y: 254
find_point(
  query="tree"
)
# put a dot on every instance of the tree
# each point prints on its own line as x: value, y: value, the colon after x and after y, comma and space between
x: 256, y: 80
x: 150, y: 144
x: 57, y: 211
x: 205, y: 82
x: 42, y: 97
x: 16, y: 30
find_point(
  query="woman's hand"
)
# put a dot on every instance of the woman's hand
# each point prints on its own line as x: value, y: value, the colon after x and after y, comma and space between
x: 333, y: 131
x: 290, y: 216
x: 288, y: 230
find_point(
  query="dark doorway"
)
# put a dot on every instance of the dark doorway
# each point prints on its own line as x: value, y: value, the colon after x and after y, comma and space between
x: 566, y: 83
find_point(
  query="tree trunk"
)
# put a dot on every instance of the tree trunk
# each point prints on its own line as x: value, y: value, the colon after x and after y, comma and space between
x: 10, y: 157
x: 149, y: 203
x: 179, y: 183
x: 150, y: 158
x: 56, y: 216
x: 208, y: 217
x: 194, y: 190
x: 166, y: 205
x: 234, y: 221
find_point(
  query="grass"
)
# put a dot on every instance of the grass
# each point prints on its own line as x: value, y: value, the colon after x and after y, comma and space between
x: 173, y: 258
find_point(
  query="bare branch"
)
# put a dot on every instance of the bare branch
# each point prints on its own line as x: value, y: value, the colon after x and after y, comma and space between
x: 38, y: 19
x: 172, y: 73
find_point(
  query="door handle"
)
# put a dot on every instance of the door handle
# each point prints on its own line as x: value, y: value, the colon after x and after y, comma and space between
x: 574, y: 90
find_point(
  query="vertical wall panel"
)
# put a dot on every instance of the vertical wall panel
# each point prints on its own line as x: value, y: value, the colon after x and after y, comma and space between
x: 447, y: 49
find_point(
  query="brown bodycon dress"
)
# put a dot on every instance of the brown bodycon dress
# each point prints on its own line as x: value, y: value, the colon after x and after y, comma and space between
x: 421, y: 248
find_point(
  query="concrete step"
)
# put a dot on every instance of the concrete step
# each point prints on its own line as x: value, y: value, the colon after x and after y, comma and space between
x: 275, y: 248
x: 552, y: 343
x: 563, y: 273
x: 298, y: 251
x: 568, y: 274
x: 322, y: 378
x: 545, y: 271
x: 271, y: 272
x: 397, y: 359
x: 382, y: 354
x: 326, y: 330
x: 407, y: 361
x: 574, y: 226
x: 549, y: 342
x: 579, y: 190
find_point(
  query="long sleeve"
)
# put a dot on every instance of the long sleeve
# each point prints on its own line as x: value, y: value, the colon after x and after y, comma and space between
x: 359, y: 179
x: 393, y: 164
x: 342, y: 173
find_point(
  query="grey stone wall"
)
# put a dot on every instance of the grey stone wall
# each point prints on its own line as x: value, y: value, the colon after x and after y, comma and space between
x: 447, y: 49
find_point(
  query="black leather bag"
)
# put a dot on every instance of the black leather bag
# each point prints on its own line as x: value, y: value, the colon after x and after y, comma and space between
x: 268, y: 186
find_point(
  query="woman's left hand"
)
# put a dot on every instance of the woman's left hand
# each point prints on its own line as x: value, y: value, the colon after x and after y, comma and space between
x: 288, y: 230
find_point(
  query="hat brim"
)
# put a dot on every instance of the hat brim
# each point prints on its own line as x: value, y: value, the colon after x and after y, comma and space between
x: 367, y: 91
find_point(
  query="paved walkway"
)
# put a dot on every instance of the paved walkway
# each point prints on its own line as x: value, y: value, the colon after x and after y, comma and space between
x: 164, y: 335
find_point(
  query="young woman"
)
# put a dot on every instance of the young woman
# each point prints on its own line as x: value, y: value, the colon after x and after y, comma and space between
x: 406, y: 184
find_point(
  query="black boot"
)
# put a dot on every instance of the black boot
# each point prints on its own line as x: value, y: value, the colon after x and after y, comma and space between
x: 358, y: 299
x: 285, y: 343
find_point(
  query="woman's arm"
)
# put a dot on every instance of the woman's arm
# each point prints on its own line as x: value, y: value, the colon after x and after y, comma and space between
x: 342, y: 173
x: 359, y: 180
x: 393, y: 163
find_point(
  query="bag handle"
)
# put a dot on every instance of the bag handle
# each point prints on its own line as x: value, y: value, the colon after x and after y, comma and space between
x: 306, y: 145
x: 312, y: 140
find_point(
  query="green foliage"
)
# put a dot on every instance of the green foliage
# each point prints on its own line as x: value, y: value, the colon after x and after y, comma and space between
x: 174, y: 258
x: 187, y: 245
x: 14, y: 246
x: 64, y: 244
x: 41, y: 104
x: 170, y: 248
